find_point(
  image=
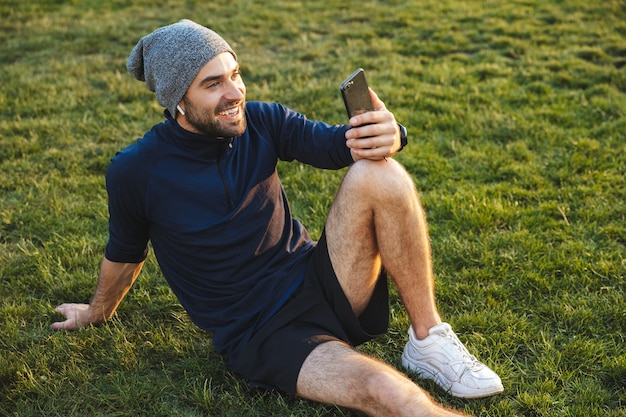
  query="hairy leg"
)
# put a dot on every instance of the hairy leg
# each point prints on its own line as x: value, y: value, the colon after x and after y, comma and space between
x: 337, y: 374
x: 377, y: 219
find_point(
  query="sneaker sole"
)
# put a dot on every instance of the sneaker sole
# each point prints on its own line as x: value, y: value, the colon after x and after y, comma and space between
x: 454, y: 388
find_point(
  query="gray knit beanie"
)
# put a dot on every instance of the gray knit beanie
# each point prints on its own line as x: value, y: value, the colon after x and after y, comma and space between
x: 169, y: 59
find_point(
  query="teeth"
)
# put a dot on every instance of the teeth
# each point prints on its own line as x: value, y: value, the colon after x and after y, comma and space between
x: 230, y: 112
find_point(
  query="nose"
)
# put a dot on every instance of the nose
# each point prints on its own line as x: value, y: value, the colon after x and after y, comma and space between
x: 236, y: 90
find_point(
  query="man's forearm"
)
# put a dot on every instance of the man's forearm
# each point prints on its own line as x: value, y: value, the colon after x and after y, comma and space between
x: 114, y: 281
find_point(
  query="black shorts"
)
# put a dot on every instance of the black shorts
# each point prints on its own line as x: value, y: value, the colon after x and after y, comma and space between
x: 317, y: 312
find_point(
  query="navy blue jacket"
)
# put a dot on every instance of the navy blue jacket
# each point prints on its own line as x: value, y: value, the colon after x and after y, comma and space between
x: 217, y: 216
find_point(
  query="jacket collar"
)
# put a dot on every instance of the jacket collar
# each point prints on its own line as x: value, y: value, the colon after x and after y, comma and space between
x: 201, y: 145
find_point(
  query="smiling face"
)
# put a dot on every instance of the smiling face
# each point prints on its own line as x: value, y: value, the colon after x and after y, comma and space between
x: 215, y: 102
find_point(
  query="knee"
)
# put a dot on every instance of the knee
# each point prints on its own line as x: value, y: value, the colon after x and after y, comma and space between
x: 390, y: 391
x: 384, y: 180
x: 377, y: 386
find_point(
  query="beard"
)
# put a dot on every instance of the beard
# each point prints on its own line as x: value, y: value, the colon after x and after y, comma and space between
x: 211, y: 125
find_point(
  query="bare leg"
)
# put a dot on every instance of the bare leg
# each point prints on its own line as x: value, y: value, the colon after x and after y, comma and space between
x: 377, y: 218
x: 337, y: 374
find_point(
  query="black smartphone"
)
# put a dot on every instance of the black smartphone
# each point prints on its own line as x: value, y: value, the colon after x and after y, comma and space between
x: 356, y: 95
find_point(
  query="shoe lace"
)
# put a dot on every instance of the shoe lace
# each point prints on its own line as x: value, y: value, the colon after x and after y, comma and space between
x: 467, y: 358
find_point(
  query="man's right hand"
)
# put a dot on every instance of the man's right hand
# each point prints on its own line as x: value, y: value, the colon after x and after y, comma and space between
x: 77, y: 315
x: 114, y: 281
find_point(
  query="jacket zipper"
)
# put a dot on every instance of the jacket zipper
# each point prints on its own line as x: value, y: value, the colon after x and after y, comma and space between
x: 229, y: 199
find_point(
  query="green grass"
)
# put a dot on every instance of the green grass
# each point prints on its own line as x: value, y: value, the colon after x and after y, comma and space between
x: 516, y: 112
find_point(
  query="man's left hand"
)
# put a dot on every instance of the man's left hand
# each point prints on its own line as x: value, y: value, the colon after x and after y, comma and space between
x: 374, y: 135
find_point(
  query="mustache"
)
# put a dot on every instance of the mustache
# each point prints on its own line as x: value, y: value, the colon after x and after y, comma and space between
x: 227, y: 105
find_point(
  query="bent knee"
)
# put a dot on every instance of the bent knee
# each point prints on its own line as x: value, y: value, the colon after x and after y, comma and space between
x: 386, y: 179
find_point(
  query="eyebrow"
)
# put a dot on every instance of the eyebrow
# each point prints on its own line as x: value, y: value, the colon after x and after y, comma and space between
x: 212, y: 78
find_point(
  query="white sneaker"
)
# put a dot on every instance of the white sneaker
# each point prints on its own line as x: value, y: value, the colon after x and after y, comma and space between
x: 443, y: 358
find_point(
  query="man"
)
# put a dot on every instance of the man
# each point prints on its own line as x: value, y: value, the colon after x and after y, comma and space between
x: 202, y: 186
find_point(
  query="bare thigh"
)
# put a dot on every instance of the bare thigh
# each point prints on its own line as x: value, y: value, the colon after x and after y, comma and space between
x: 351, y: 226
x: 335, y: 373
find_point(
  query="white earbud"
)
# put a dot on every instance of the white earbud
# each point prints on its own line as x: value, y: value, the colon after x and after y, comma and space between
x: 181, y: 111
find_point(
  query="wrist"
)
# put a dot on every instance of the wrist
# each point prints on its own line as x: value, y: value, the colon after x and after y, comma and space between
x: 403, y: 137
x: 95, y: 315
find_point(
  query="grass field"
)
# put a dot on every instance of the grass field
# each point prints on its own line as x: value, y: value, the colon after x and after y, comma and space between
x: 517, y: 119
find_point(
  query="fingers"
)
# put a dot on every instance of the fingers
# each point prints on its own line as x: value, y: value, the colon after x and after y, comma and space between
x: 73, y: 314
x: 377, y: 102
x: 374, y: 154
x: 379, y: 139
x: 373, y: 123
x: 67, y: 308
x: 379, y: 115
x: 59, y: 325
x: 61, y: 308
x: 374, y: 135
x: 372, y: 118
x: 381, y: 144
